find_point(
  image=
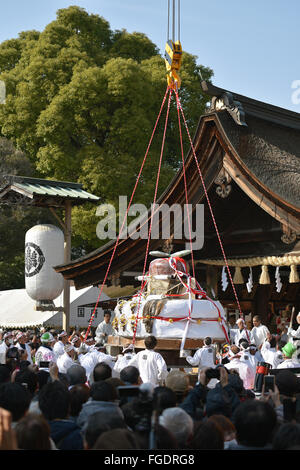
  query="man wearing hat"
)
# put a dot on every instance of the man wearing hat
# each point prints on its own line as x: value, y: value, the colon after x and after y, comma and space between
x: 60, y: 344
x: 45, y: 352
x: 5, y: 345
x: 23, y: 345
x: 104, y: 329
x: 287, y: 351
x: 66, y: 360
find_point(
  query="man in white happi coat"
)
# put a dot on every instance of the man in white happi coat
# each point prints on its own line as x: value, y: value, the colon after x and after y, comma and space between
x: 242, y: 367
x: 288, y: 363
x: 151, y: 364
x: 123, y: 359
x: 271, y: 352
x: 58, y: 347
x: 66, y: 360
x: 242, y: 332
x: 91, y: 358
x: 5, y: 345
x: 104, y: 329
x: 23, y: 345
x: 203, y: 357
x: 259, y: 331
x: 45, y: 351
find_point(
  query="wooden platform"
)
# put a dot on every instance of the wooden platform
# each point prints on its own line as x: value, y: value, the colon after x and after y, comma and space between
x: 167, y: 347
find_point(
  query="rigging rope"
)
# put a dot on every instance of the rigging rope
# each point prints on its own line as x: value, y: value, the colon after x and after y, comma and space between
x: 125, y: 217
x: 209, y: 205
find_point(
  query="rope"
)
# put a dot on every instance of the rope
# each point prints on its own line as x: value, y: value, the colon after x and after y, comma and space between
x: 185, y: 185
x: 210, y: 207
x: 125, y: 217
x: 153, y: 206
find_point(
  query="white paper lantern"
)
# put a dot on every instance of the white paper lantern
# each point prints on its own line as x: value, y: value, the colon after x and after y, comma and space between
x: 44, y: 248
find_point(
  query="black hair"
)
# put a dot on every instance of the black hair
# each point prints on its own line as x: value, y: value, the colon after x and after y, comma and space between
x: 76, y: 374
x: 255, y: 422
x: 15, y: 398
x: 102, y: 371
x: 103, y: 391
x: 150, y: 342
x: 79, y: 394
x: 54, y: 401
x: 29, y: 378
x: 130, y: 374
x: 4, y: 373
x: 287, y: 436
x: 164, y: 397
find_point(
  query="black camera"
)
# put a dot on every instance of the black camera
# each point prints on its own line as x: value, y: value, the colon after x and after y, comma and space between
x: 213, y: 374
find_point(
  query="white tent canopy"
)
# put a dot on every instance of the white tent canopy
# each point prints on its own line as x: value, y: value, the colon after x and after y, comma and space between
x: 17, y: 309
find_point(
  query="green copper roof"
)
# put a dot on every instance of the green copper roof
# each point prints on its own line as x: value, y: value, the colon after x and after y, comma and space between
x: 46, y: 188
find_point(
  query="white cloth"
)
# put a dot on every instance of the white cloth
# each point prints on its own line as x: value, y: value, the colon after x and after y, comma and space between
x: 91, y: 359
x: 103, y: 330
x: 64, y: 362
x: 271, y: 355
x: 122, y: 362
x: 245, y: 334
x: 251, y: 361
x: 58, y: 349
x: 293, y: 334
x: 244, y: 371
x: 288, y: 364
x: 259, y: 334
x: 44, y: 354
x: 151, y: 365
x: 203, y: 357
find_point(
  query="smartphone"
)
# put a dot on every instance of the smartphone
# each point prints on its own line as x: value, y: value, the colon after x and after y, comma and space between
x: 44, y: 364
x: 269, y: 383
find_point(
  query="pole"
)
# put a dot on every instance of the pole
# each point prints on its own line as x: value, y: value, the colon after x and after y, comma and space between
x: 67, y: 259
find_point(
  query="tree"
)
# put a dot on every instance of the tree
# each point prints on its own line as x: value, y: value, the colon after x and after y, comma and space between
x: 82, y: 101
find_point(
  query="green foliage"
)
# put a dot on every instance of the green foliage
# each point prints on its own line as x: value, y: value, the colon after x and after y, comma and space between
x: 81, y: 103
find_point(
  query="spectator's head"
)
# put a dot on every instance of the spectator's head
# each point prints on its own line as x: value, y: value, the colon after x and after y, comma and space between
x: 29, y: 379
x: 69, y: 350
x: 163, y: 398
x: 226, y: 425
x: 150, y: 342
x: 287, y: 436
x: 240, y: 323
x: 103, y: 391
x: 76, y: 374
x: 117, y: 439
x: 94, y: 427
x: 12, y: 358
x: 207, y: 341
x: 287, y: 383
x: 79, y: 394
x: 178, y: 381
x: 102, y: 371
x: 4, y: 373
x: 255, y: 422
x: 218, y: 402
x: 33, y: 433
x: 15, y: 398
x: 47, y: 339
x: 130, y: 375
x: 54, y: 401
x: 207, y: 435
x: 178, y: 422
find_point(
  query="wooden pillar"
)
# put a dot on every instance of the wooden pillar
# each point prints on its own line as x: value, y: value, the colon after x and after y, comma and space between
x: 67, y: 259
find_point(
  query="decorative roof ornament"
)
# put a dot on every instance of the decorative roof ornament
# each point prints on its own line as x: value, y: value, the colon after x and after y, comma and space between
x: 234, y: 108
x: 223, y: 181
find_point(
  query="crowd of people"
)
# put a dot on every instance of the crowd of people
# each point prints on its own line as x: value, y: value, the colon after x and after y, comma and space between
x: 61, y: 391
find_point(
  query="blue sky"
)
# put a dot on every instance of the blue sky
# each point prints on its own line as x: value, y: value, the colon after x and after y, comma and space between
x: 253, y: 46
